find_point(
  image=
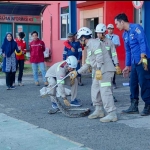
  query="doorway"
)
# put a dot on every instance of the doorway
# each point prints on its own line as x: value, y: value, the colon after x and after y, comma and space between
x: 92, y: 23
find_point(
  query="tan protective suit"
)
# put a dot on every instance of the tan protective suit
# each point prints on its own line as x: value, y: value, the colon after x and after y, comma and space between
x: 54, y: 74
x: 97, y: 56
x: 111, y: 49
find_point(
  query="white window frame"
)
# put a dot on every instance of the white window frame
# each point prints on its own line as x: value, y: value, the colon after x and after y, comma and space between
x: 67, y: 14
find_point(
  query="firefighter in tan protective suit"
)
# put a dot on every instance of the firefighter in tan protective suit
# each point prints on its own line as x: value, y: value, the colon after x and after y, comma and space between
x: 110, y: 47
x: 56, y: 73
x: 101, y: 93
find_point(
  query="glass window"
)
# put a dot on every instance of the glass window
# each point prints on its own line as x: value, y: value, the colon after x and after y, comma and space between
x: 63, y: 26
x: 64, y: 10
x: 68, y: 24
x: 64, y: 22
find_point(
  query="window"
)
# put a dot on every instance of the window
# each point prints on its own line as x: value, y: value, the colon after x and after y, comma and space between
x: 64, y: 22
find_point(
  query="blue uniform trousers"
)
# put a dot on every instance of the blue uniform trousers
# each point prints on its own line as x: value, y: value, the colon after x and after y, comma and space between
x: 140, y: 77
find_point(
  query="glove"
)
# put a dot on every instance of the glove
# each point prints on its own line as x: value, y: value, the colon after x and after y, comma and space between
x: 90, y: 70
x: 118, y: 70
x: 73, y: 74
x: 144, y: 62
x: 98, y: 75
x: 20, y: 53
x: 72, y: 81
x: 66, y: 102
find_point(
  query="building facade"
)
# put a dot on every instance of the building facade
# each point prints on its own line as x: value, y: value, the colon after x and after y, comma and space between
x: 52, y: 21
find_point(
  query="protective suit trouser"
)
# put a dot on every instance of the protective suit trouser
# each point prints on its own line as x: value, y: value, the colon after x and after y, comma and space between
x: 101, y: 92
x: 139, y: 75
x: 52, y: 82
x: 93, y: 76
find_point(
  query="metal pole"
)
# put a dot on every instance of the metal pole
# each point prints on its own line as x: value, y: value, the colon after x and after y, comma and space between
x: 48, y: 88
x: 72, y: 17
x: 60, y: 81
x: 139, y: 16
x: 143, y: 15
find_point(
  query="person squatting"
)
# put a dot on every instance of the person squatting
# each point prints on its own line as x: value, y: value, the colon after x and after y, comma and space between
x: 102, y: 58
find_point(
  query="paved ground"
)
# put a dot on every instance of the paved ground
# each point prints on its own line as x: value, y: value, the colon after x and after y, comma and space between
x: 131, y: 132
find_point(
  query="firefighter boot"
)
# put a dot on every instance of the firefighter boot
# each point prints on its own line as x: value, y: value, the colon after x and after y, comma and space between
x: 133, y: 109
x: 98, y: 113
x: 111, y: 117
x: 146, y: 110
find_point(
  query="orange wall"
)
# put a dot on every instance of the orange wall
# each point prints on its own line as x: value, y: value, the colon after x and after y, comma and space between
x: 88, y: 8
x: 111, y: 10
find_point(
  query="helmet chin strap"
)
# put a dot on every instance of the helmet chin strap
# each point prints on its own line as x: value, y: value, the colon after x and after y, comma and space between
x: 83, y: 43
x: 103, y: 37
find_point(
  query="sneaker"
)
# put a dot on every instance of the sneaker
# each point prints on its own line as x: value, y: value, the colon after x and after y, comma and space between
x: 114, y: 86
x: 115, y: 100
x: 37, y: 83
x: 12, y: 88
x: 8, y: 88
x: 75, y: 103
x: 20, y: 84
x: 54, y: 105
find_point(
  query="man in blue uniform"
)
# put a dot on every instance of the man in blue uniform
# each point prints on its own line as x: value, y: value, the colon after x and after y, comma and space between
x: 137, y: 61
x: 77, y: 52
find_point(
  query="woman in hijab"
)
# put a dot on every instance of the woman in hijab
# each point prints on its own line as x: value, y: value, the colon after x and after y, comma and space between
x: 9, y: 47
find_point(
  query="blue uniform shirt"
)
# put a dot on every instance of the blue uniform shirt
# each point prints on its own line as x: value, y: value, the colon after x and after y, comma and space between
x: 135, y: 43
x: 115, y: 38
x: 78, y: 51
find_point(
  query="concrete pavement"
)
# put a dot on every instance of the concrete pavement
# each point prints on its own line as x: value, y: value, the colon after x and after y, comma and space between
x: 130, y: 132
x: 19, y: 135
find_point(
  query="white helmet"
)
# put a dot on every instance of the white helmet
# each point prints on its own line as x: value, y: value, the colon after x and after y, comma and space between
x: 101, y: 28
x: 72, y: 61
x: 110, y: 26
x: 83, y: 31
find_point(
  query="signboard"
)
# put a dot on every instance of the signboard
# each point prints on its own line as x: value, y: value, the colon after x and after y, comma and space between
x: 17, y: 18
x: 137, y: 4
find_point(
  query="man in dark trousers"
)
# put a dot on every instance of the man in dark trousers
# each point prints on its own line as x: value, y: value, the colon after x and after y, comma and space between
x: 20, y: 58
x: 137, y: 61
x: 76, y: 51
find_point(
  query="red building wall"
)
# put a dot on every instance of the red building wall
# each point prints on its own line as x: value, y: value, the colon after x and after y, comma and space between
x: 111, y: 10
